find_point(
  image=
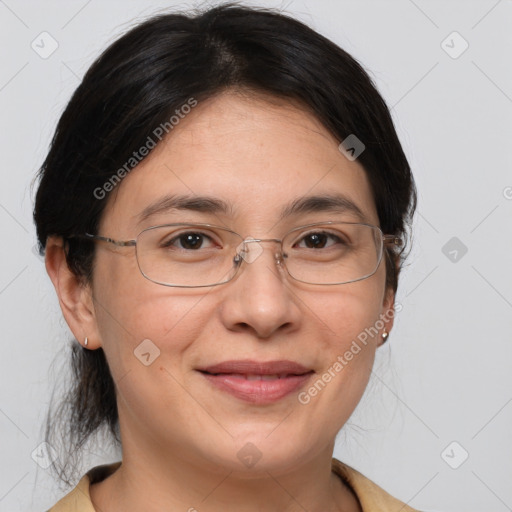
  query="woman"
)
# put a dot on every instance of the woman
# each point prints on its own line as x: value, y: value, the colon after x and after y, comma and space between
x: 223, y: 212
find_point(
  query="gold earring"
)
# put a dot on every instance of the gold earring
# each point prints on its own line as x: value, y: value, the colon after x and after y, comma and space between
x: 384, y: 336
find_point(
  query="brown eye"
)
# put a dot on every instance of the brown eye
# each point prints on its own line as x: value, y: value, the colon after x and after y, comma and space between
x: 187, y: 241
x: 320, y: 240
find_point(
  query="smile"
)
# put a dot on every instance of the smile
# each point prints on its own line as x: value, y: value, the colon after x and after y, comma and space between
x: 257, y: 382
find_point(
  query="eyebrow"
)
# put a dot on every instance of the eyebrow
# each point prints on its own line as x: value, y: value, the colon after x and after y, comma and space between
x: 335, y: 203
x: 169, y: 203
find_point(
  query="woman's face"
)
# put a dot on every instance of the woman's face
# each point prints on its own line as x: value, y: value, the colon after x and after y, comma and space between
x: 258, y: 159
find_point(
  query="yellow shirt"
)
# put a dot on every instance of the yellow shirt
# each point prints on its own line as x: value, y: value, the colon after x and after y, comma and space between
x: 370, y: 495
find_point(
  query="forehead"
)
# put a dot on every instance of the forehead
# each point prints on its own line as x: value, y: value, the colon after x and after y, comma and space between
x: 256, y: 157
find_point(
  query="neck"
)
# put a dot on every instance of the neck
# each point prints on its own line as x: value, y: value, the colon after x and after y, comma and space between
x: 151, y: 481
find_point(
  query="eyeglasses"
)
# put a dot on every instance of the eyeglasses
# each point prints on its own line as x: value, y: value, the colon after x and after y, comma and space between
x: 198, y: 255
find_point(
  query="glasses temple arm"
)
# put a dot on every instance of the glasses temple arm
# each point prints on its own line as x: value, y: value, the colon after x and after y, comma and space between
x: 392, y: 239
x: 120, y: 243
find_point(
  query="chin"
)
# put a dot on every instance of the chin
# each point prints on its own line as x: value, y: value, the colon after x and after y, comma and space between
x: 255, y: 454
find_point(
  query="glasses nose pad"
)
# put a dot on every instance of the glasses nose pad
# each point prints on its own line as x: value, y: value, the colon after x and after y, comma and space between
x: 250, y: 250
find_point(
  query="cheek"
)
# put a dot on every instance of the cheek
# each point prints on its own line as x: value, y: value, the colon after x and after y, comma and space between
x: 350, y: 313
x: 131, y: 310
x: 349, y: 348
x: 147, y: 347
x: 349, y: 321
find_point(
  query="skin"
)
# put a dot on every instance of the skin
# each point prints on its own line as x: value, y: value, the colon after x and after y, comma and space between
x: 180, y: 435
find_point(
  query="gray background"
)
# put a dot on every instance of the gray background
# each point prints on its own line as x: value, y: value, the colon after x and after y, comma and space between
x: 444, y: 376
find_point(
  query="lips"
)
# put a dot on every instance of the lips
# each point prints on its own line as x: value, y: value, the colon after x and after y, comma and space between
x: 255, y: 381
x: 244, y: 367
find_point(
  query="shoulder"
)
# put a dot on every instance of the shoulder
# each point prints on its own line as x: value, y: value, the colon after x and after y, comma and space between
x: 372, y: 497
x: 79, y: 499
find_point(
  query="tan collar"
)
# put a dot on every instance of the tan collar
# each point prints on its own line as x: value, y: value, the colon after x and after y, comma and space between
x: 372, y: 497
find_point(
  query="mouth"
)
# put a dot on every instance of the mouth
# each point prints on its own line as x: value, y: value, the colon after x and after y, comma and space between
x: 257, y: 382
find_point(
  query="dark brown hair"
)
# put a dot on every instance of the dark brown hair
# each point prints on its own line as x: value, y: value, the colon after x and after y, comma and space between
x: 135, y: 86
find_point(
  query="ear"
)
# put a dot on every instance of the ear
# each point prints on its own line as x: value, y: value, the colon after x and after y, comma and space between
x: 75, y: 297
x: 388, y: 313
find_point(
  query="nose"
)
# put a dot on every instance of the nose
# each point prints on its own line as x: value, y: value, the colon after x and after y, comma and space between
x: 259, y: 298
